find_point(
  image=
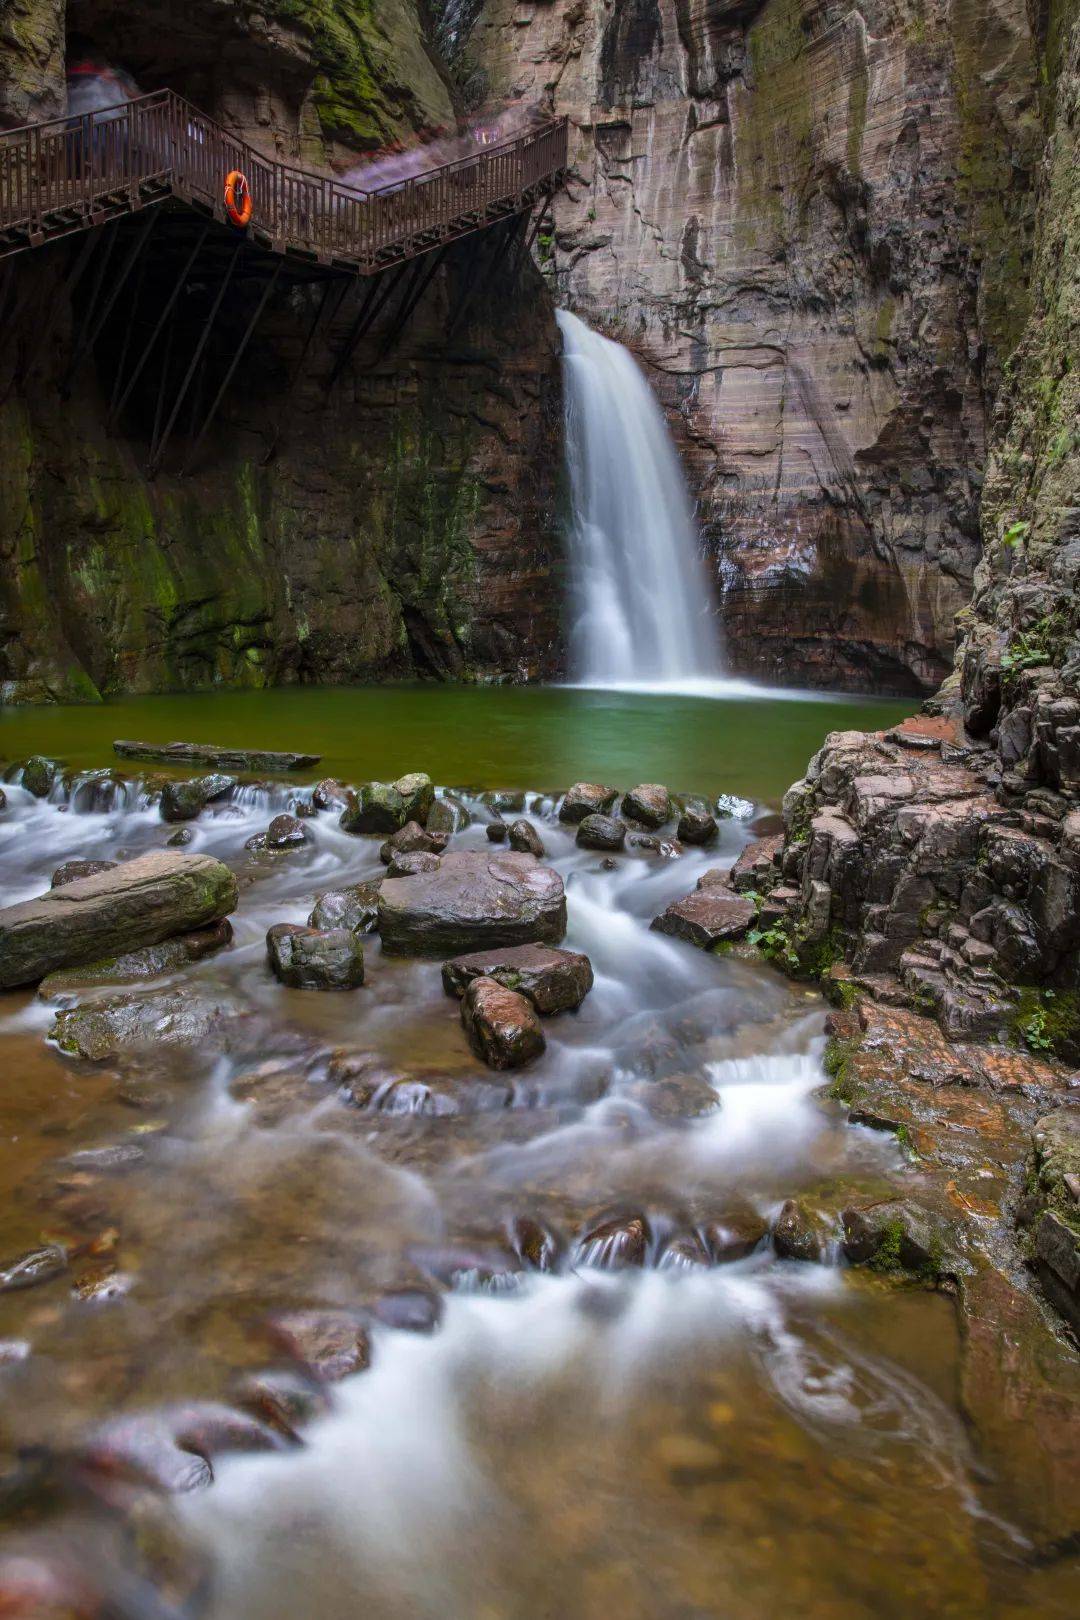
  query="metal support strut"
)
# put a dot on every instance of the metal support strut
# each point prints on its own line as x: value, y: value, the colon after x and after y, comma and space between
x: 238, y: 355
x: 157, y: 450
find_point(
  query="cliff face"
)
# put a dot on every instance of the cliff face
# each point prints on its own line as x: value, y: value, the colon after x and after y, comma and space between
x: 810, y: 220
x: 397, y: 519
x: 943, y: 860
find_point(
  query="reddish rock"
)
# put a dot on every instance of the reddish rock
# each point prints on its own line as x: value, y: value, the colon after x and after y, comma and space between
x: 586, y: 799
x: 649, y: 803
x: 554, y: 980
x: 614, y: 1244
x: 172, y: 1448
x: 474, y: 900
x: 706, y: 917
x: 331, y: 1344
x: 502, y: 1025
x: 758, y: 864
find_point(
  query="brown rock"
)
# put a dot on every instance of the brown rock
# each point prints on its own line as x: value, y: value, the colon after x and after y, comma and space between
x: 586, y: 799
x: 72, y: 871
x: 650, y: 803
x: 331, y: 1344
x: 140, y: 902
x: 601, y: 832
x: 502, y: 1026
x: 525, y: 839
x: 706, y: 917
x: 554, y: 981
x: 306, y: 959
x: 473, y: 901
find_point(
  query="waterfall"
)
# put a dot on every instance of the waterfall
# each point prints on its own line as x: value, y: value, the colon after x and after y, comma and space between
x: 643, y: 610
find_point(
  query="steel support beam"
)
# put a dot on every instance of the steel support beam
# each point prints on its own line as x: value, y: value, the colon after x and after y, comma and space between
x: 170, y: 304
x: 238, y: 355
x: 157, y: 450
x: 93, y: 328
x: 317, y: 324
x: 415, y: 293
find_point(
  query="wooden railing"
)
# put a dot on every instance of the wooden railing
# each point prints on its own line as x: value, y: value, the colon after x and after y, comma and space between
x: 63, y: 175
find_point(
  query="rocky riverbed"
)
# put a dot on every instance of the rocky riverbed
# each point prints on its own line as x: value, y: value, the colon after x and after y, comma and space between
x: 409, y: 1188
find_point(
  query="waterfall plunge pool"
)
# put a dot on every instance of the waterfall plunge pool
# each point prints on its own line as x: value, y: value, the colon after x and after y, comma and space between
x: 540, y: 738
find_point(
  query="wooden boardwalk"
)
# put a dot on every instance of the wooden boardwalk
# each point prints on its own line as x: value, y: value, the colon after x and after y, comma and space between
x: 73, y: 174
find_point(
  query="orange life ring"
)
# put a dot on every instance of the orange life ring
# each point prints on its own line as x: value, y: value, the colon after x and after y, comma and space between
x: 238, y: 203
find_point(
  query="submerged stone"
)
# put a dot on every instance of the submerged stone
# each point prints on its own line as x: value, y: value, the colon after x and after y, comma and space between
x: 36, y: 1266
x: 331, y: 1344
x: 615, y: 1244
x: 151, y: 962
x: 101, y: 1029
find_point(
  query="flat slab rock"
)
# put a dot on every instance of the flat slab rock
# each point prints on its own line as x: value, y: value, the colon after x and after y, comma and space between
x: 226, y: 759
x: 554, y: 981
x: 475, y: 900
x: 140, y: 902
x: 707, y: 916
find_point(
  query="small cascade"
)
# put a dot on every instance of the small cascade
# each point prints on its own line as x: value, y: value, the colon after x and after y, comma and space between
x: 643, y: 611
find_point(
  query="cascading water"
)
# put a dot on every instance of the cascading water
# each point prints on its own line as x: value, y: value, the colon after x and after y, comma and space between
x: 643, y: 614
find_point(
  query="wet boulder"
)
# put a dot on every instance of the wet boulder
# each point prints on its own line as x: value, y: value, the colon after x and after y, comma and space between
x: 39, y: 774
x: 601, y: 832
x: 183, y: 801
x: 34, y: 1267
x: 100, y: 1029
x: 684, y: 1251
x: 649, y: 803
x: 615, y: 1244
x: 132, y: 967
x: 697, y: 824
x: 896, y: 1236
x: 553, y: 980
x: 72, y: 871
x: 502, y: 1025
x: 140, y: 902
x: 355, y: 908
x: 180, y: 838
x: 586, y: 799
x: 172, y: 1449
x: 285, y: 1398
x: 525, y: 839
x: 286, y: 832
x: 417, y: 794
x: 474, y: 900
x: 707, y: 916
x: 376, y: 807
x: 734, y: 1236
x: 799, y: 1233
x: 496, y: 832
x: 308, y: 959
x: 412, y: 862
x: 447, y: 815
x: 329, y: 794
x: 330, y: 1344
x: 411, y: 839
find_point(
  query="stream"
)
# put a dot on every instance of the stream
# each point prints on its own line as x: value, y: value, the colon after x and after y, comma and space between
x: 670, y: 1423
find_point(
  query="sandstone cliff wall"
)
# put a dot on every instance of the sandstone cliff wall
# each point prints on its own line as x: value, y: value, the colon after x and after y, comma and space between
x: 811, y: 221
x: 942, y: 861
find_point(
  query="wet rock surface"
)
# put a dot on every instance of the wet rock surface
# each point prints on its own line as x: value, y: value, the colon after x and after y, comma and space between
x: 184, y: 801
x: 356, y: 908
x: 601, y: 832
x: 471, y: 902
x: 502, y: 1025
x: 586, y: 799
x: 140, y: 902
x: 650, y: 803
x: 707, y: 917
x: 131, y: 967
x: 554, y: 981
x: 308, y: 959
x: 72, y: 871
x: 247, y: 760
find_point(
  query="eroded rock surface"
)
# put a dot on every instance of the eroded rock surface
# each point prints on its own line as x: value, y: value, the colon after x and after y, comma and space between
x: 502, y: 1025
x: 554, y: 981
x: 140, y: 902
x: 471, y: 902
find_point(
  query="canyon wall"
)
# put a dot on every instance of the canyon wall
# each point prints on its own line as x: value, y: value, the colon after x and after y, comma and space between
x: 940, y: 864
x: 389, y: 519
x: 811, y: 220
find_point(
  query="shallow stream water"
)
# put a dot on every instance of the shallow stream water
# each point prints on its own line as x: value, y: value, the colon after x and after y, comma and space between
x: 673, y: 1441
